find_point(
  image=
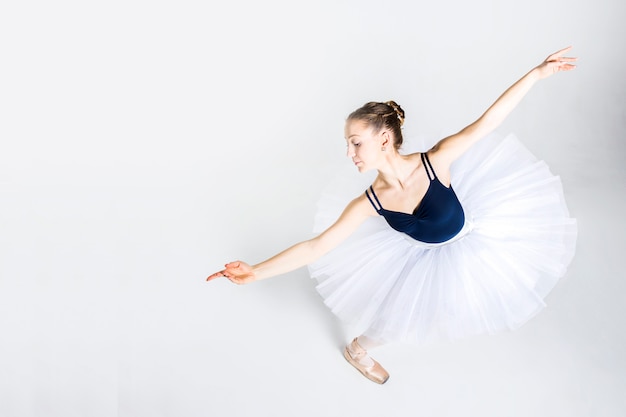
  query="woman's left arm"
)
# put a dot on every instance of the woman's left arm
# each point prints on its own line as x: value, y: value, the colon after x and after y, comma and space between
x: 452, y: 147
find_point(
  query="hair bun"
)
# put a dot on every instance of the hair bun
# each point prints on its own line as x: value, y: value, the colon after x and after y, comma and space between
x: 378, y: 115
x: 396, y: 108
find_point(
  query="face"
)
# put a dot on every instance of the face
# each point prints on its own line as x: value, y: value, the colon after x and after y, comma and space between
x: 364, y: 146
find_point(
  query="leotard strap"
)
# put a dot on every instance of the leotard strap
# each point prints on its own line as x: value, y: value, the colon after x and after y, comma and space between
x: 431, y: 175
x: 377, y: 206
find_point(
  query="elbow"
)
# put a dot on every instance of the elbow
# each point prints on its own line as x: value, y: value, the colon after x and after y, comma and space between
x: 315, y: 248
x: 481, y: 127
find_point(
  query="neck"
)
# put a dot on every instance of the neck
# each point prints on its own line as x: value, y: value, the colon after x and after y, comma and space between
x: 395, y: 170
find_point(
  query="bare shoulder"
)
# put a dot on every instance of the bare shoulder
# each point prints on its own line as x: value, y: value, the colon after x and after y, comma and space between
x: 355, y: 213
x: 361, y: 206
x: 441, y: 161
x: 413, y: 157
x: 439, y: 148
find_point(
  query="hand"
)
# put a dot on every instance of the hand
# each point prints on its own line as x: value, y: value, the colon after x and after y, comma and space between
x: 555, y: 63
x: 237, y: 272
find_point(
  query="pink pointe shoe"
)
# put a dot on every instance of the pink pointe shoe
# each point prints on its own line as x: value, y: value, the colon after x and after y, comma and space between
x: 354, y: 353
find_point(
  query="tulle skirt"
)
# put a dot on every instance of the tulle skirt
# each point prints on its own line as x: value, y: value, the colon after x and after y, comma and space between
x: 493, y: 276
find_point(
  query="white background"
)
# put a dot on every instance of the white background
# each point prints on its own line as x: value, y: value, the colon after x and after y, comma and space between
x: 144, y: 144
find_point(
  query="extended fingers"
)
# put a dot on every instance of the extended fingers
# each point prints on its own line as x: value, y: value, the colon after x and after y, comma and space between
x: 212, y: 277
x: 558, y: 54
x: 556, y: 66
x: 219, y: 274
x: 226, y: 273
x: 237, y: 272
x: 562, y: 61
x: 566, y: 67
x: 215, y: 275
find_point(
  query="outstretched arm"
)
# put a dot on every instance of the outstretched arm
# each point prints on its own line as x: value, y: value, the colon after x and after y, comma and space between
x: 452, y: 147
x: 301, y: 253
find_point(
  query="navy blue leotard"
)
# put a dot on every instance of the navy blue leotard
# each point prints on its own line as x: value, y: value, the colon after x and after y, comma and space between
x: 437, y: 218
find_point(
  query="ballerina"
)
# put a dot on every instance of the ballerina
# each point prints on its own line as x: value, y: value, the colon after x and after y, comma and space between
x: 429, y: 261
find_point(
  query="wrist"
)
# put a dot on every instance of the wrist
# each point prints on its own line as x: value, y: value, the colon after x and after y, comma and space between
x: 257, y: 272
x: 535, y: 73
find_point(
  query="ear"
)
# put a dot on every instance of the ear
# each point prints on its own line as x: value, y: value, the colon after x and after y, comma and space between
x: 386, y: 139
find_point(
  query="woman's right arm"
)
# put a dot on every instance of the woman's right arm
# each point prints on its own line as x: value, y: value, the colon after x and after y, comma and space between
x: 301, y: 253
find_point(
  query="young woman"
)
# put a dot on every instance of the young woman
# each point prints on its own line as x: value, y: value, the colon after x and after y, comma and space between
x: 414, y: 260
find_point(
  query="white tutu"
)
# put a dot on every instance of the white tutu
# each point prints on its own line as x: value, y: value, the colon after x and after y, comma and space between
x: 516, y: 244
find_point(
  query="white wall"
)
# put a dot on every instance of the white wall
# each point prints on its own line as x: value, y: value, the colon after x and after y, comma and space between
x: 144, y: 144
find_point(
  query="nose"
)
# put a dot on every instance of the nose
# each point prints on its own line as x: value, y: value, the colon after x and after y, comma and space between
x: 350, y: 151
